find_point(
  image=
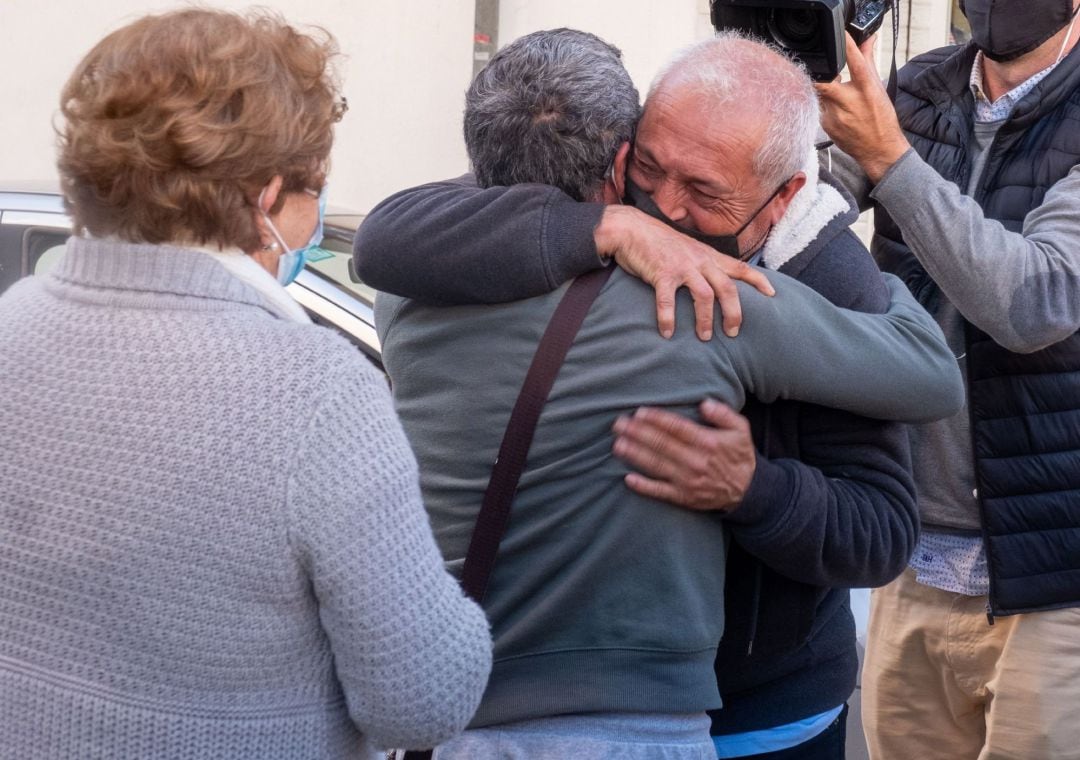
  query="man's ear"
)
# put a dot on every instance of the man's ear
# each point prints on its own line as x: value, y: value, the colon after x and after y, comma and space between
x: 783, y: 199
x: 618, y: 169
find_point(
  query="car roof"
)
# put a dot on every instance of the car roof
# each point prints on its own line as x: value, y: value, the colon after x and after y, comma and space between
x: 44, y: 195
x: 31, y: 196
x: 47, y: 186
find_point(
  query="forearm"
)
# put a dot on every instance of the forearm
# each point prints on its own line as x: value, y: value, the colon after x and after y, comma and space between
x: 894, y: 366
x: 453, y: 242
x: 1021, y: 288
x: 405, y: 622
x: 390, y: 616
x: 845, y: 515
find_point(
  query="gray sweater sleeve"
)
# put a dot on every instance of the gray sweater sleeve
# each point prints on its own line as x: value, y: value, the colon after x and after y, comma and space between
x: 411, y: 652
x: 1021, y: 288
x: 893, y: 366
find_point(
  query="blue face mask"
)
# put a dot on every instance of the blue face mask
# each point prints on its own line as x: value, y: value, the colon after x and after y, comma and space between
x: 292, y: 261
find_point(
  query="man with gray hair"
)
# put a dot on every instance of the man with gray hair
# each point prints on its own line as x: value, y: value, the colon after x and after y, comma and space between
x: 607, y: 607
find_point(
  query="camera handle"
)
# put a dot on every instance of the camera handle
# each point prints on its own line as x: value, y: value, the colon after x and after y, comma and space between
x: 890, y: 85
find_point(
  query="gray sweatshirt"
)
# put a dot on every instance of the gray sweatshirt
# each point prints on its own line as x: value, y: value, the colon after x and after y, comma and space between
x: 211, y: 532
x: 602, y: 600
x: 1022, y: 289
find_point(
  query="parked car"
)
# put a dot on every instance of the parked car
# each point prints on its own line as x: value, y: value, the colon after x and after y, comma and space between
x: 34, y: 229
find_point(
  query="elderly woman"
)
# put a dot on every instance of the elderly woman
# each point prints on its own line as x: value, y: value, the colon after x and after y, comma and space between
x: 211, y: 537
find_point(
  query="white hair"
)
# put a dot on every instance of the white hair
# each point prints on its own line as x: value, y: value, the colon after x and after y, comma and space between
x: 733, y: 73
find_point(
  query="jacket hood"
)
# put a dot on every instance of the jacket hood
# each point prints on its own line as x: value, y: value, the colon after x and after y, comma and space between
x: 819, y: 212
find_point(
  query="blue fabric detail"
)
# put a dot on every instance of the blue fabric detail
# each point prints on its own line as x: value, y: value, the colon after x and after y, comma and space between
x: 951, y: 563
x: 776, y: 738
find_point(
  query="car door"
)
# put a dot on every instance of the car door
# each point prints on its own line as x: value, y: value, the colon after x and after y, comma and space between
x: 33, y: 231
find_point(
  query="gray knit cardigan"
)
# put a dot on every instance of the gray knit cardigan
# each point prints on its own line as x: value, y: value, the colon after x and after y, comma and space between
x: 212, y: 543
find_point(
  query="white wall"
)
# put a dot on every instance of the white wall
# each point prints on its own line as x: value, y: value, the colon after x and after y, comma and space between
x: 647, y: 31
x: 407, y: 64
x: 650, y: 31
x: 924, y: 25
x: 406, y: 68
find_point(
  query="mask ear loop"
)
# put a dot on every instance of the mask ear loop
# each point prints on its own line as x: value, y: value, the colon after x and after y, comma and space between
x: 1068, y: 34
x: 273, y: 230
x: 750, y: 254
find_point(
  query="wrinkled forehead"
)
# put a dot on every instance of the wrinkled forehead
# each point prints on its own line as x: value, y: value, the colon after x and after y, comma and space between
x: 693, y: 137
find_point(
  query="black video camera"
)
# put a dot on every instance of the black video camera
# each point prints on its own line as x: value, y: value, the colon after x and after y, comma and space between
x: 813, y: 30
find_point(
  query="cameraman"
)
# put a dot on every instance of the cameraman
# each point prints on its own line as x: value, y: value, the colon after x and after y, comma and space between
x: 975, y: 650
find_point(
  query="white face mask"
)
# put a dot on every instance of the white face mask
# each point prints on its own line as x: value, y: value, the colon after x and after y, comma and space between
x: 291, y: 262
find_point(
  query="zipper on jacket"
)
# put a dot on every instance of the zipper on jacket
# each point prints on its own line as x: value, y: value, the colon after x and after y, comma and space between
x: 979, y: 490
x: 755, y: 608
x: 755, y: 600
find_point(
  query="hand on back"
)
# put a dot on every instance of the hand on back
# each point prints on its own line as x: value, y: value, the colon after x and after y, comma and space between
x: 704, y: 467
x: 666, y: 259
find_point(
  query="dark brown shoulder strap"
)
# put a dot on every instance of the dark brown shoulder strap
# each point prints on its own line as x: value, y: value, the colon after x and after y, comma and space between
x: 550, y: 354
x: 495, y: 509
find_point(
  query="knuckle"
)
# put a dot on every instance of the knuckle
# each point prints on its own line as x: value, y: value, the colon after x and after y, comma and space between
x: 711, y: 451
x: 656, y: 443
x: 652, y: 489
x: 740, y: 269
x: 725, y: 292
x: 696, y: 485
x: 666, y: 281
x: 701, y: 291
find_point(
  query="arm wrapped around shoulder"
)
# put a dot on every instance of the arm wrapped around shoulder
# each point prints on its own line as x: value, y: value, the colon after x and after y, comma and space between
x: 892, y: 366
x: 452, y: 242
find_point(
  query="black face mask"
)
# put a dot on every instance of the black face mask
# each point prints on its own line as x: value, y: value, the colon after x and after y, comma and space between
x: 725, y: 244
x: 1006, y: 29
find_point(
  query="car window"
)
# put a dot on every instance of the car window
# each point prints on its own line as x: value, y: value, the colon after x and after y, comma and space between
x: 23, y: 245
x: 331, y: 260
x: 48, y: 258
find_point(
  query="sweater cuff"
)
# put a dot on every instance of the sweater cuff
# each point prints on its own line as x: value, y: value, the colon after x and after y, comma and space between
x: 569, y: 246
x: 902, y: 191
x: 767, y: 497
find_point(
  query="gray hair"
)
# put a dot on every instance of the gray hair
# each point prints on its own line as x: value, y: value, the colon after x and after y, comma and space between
x: 552, y: 107
x: 734, y: 73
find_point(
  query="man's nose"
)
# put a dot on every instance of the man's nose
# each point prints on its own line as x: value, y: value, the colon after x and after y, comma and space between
x: 669, y: 199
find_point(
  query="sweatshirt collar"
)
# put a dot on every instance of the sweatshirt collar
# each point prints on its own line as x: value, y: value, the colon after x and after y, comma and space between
x: 987, y: 110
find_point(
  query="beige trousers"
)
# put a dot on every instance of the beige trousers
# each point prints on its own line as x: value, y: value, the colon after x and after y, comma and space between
x: 939, y: 682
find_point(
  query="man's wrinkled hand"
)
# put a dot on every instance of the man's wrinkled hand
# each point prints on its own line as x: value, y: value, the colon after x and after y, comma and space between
x: 703, y: 467
x: 666, y: 259
x: 859, y: 117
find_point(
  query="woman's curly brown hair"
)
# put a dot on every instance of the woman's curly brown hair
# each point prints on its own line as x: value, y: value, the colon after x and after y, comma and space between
x: 173, y: 124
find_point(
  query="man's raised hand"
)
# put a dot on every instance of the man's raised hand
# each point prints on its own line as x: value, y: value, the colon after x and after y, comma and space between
x: 858, y: 116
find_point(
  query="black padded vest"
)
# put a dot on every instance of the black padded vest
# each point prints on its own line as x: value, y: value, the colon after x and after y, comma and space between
x: 1024, y: 408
